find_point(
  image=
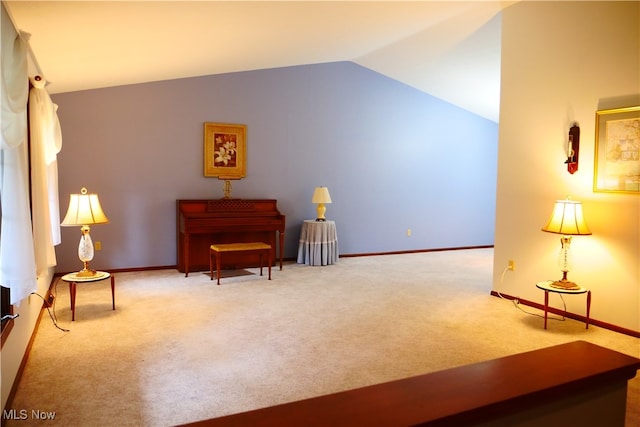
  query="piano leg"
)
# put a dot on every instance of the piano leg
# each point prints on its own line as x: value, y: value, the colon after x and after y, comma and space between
x: 281, y: 248
x: 186, y: 255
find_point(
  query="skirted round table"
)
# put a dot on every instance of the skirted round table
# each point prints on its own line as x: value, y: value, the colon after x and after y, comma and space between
x: 318, y: 243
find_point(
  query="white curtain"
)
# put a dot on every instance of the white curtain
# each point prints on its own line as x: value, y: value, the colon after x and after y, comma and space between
x: 46, y: 142
x: 17, y: 259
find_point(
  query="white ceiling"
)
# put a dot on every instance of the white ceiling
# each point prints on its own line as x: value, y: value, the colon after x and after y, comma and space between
x: 449, y: 49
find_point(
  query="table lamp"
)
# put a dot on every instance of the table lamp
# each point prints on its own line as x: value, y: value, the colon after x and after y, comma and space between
x: 321, y: 196
x: 566, y: 219
x: 84, y: 210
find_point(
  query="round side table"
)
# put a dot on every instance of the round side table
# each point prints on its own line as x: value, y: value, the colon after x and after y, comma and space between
x: 318, y: 243
x: 74, y: 279
x: 546, y: 287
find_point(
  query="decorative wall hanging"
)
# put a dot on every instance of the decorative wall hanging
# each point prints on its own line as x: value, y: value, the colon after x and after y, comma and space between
x: 225, y: 153
x: 617, y: 151
x: 225, y: 150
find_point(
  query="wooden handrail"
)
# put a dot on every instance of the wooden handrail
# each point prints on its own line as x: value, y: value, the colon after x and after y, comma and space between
x: 544, y: 383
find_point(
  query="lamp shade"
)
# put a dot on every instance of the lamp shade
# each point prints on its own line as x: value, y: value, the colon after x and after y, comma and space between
x: 84, y: 209
x: 567, y: 219
x: 321, y: 195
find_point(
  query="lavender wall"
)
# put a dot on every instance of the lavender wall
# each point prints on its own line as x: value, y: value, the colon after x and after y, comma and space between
x: 393, y: 158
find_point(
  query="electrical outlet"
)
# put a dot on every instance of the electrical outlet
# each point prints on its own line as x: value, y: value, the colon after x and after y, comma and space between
x: 98, y: 245
x: 512, y: 265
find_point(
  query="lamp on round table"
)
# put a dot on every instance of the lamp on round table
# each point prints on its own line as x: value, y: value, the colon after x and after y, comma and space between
x: 84, y: 210
x: 321, y: 196
x: 566, y: 219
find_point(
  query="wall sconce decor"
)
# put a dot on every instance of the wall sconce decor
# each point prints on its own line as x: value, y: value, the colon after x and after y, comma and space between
x: 321, y: 196
x: 573, y: 149
x: 84, y: 210
x: 566, y: 219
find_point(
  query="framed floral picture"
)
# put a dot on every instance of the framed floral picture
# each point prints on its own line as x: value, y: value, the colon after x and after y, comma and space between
x: 617, y: 156
x: 225, y: 150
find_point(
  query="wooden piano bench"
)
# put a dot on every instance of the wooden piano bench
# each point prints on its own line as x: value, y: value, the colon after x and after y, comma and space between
x: 216, y: 251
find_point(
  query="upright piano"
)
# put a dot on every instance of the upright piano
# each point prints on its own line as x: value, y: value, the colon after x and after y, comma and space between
x: 201, y: 223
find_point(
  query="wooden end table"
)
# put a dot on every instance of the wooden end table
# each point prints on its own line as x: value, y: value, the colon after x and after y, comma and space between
x: 74, y: 279
x: 546, y: 287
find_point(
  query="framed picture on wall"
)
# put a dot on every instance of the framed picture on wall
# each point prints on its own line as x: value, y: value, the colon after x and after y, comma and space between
x: 617, y: 156
x: 225, y: 150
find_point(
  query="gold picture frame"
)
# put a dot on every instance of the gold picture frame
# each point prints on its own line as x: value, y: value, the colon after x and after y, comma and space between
x: 225, y: 150
x: 617, y: 151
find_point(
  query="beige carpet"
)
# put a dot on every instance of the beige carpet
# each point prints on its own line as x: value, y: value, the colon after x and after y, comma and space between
x: 182, y: 349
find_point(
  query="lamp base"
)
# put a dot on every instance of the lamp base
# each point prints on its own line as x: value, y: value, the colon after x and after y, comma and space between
x: 321, y: 219
x: 85, y: 273
x: 321, y: 209
x: 564, y: 284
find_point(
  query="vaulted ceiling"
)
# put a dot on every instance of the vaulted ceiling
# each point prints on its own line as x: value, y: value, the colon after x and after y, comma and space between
x: 449, y: 49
